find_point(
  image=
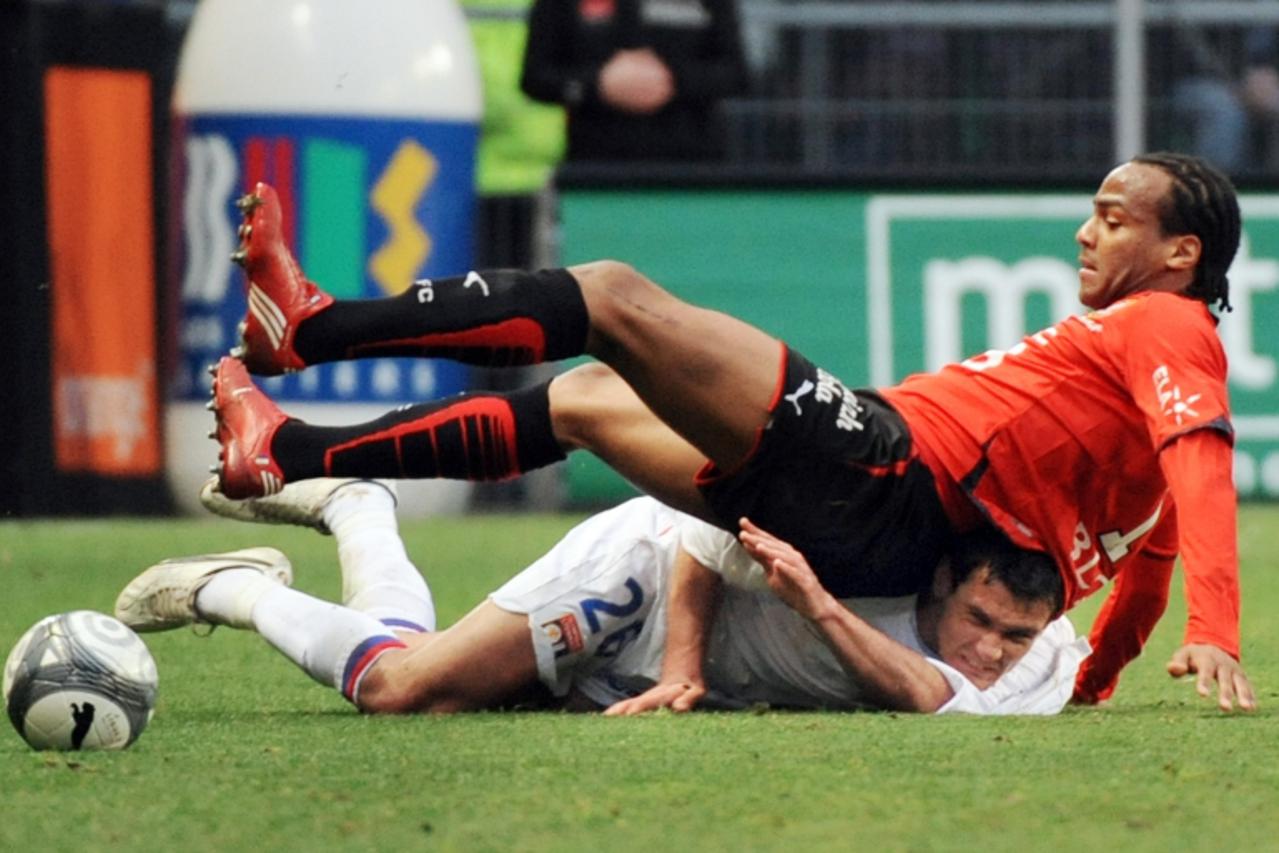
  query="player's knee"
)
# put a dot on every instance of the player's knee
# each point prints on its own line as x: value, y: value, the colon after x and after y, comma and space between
x: 620, y: 301
x: 604, y: 280
x: 382, y: 692
x: 581, y: 402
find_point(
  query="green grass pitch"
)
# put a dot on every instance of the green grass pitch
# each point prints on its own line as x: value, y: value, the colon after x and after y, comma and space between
x: 245, y: 752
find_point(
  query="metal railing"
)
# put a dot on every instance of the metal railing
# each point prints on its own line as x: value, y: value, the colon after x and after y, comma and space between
x: 981, y: 90
x: 976, y: 90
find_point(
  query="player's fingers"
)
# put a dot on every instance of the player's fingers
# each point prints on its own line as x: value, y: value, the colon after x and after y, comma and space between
x: 760, y: 547
x: 753, y: 542
x: 630, y: 707
x: 1203, y: 682
x: 750, y: 527
x: 618, y: 709
x: 687, y: 700
x: 764, y: 539
x: 1179, y: 664
x: 649, y: 700
x: 769, y: 558
x: 757, y: 545
x: 1225, y: 689
x: 675, y: 697
x: 1243, y: 687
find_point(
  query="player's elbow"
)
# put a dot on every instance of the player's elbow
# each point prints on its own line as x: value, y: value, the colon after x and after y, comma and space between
x: 920, y: 695
x: 927, y: 701
x: 1154, y: 602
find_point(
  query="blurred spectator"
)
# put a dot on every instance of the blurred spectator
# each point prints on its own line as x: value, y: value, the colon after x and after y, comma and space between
x: 1229, y: 101
x: 521, y: 142
x: 640, y: 79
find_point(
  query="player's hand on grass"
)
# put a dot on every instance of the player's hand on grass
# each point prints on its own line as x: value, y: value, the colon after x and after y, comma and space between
x: 789, y: 576
x: 679, y: 696
x: 1209, y: 663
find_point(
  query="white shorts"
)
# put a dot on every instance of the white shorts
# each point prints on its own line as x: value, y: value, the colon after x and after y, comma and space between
x: 596, y: 602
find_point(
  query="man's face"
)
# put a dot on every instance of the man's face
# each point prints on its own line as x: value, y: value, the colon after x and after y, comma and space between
x: 982, y: 631
x: 1122, y: 247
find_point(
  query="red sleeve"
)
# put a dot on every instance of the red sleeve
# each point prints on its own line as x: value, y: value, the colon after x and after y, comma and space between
x: 1127, y: 617
x: 1174, y: 366
x: 1198, y: 469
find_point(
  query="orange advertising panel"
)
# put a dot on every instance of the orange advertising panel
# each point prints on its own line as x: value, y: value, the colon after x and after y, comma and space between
x: 98, y: 157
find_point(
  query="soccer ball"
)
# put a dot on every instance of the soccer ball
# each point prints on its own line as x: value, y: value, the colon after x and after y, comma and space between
x: 80, y: 680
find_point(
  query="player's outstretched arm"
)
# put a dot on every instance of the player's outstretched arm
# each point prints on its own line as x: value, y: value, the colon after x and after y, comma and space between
x: 1197, y: 467
x: 690, y: 610
x: 1126, y: 619
x: 896, y: 676
x: 1208, y: 664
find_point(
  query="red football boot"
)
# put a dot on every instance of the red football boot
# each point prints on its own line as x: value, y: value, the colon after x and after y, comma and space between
x: 247, y: 421
x: 280, y: 297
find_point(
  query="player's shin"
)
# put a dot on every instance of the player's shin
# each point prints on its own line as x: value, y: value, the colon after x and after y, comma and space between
x: 378, y: 578
x: 334, y: 645
x: 495, y: 318
x: 475, y: 436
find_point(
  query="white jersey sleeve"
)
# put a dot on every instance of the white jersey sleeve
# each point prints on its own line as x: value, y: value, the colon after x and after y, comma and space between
x: 1040, y: 683
x: 719, y: 551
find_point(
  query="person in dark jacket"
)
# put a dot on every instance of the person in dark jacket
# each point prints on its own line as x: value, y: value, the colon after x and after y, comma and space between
x: 640, y: 79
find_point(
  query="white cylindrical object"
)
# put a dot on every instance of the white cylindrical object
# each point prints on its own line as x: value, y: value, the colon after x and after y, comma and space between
x: 365, y: 118
x: 392, y: 58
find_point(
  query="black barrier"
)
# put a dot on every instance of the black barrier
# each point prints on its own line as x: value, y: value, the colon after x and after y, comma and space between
x: 84, y: 130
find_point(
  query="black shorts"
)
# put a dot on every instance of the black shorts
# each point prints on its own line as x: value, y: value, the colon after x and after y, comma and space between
x: 836, y: 475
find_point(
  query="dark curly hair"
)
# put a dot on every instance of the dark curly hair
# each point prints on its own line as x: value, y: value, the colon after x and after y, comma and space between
x: 1202, y: 202
x: 1031, y: 576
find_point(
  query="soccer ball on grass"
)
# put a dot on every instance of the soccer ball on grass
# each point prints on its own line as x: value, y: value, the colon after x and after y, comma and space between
x: 80, y: 680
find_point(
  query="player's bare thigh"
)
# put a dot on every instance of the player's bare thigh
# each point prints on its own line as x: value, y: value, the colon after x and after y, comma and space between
x: 592, y: 408
x: 483, y: 661
x: 709, y: 376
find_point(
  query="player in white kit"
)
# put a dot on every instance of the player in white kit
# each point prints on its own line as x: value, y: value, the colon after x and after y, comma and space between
x: 586, y: 624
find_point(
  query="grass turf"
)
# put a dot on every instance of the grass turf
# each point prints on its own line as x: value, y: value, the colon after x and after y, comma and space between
x: 246, y: 752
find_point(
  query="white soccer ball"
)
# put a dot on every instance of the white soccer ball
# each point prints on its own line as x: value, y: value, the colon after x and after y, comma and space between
x: 80, y: 680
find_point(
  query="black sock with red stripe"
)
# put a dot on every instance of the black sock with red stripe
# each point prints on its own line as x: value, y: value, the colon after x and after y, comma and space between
x: 494, y: 318
x: 474, y: 436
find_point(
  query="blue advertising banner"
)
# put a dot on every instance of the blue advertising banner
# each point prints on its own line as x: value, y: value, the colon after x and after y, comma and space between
x: 371, y: 204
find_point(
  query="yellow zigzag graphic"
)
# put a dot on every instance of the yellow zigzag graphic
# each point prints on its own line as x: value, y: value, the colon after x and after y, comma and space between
x: 397, y: 192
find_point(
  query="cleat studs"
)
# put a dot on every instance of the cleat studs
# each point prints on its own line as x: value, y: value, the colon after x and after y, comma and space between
x: 211, y: 405
x: 239, y: 351
x: 211, y: 368
x: 248, y: 203
x: 240, y: 256
x: 245, y: 231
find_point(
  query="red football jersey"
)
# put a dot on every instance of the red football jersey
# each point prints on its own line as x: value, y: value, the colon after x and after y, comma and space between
x: 1057, y: 441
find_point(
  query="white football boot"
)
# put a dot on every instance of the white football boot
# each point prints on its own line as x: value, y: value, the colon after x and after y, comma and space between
x: 163, y: 596
x: 301, y: 503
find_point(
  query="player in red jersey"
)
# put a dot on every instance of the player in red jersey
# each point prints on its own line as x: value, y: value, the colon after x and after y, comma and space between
x: 1103, y: 441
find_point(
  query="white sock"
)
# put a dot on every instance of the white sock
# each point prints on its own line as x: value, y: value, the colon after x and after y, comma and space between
x: 228, y: 597
x: 378, y: 578
x: 334, y: 645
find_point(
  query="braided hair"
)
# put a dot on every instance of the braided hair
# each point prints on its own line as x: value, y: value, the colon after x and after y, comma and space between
x: 1202, y: 202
